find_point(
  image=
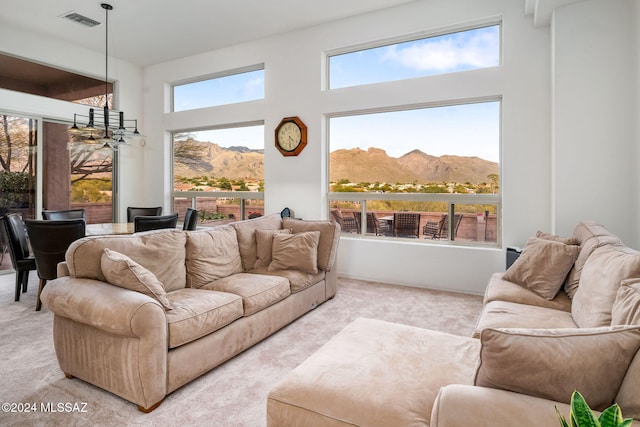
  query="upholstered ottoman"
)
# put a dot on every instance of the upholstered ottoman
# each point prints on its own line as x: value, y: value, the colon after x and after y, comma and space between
x: 373, y: 373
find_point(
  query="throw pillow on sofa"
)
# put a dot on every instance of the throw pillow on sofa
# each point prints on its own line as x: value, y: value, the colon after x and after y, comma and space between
x: 543, y: 266
x: 601, y: 277
x: 551, y: 363
x: 591, y: 236
x: 264, y: 246
x: 626, y: 308
x: 566, y: 240
x: 211, y: 255
x: 122, y: 271
x: 295, y: 252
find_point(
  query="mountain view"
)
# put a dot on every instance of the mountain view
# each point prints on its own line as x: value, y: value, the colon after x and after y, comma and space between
x: 374, y: 165
x: 197, y: 159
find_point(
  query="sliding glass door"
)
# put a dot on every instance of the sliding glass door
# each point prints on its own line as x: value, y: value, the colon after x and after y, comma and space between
x: 63, y: 176
x: 18, y: 143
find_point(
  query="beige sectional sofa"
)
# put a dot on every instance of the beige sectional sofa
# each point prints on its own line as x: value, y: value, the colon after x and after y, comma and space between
x: 144, y: 314
x: 562, y: 326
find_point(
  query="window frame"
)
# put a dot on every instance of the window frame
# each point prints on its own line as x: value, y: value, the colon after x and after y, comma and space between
x: 214, y: 76
x: 243, y: 196
x: 420, y: 35
x: 451, y: 199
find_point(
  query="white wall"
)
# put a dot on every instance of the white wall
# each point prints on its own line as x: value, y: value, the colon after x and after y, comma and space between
x: 595, y: 139
x: 294, y: 86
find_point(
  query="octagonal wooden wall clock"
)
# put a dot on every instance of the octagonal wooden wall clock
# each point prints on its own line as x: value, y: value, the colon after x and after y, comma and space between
x: 291, y: 136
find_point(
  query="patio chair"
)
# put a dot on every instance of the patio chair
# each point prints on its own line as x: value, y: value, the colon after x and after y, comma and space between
x: 154, y: 222
x: 406, y: 224
x: 133, y: 212
x: 190, y: 219
x: 440, y: 229
x: 21, y: 259
x: 65, y: 214
x: 50, y: 240
x: 374, y: 225
x: 348, y: 224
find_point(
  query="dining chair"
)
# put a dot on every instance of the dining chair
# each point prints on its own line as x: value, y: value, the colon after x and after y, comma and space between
x: 50, y: 240
x: 133, y: 212
x: 155, y: 222
x: 64, y: 214
x: 406, y: 224
x: 190, y: 219
x: 22, y: 261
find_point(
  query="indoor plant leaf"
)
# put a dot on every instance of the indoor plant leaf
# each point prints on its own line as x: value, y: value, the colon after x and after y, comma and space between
x: 581, y: 414
x: 611, y: 417
x: 563, y: 422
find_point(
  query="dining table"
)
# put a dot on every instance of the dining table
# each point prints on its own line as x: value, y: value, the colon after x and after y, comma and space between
x: 106, y: 228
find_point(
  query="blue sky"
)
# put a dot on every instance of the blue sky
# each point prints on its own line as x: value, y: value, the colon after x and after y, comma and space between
x: 463, y: 130
x: 449, y: 53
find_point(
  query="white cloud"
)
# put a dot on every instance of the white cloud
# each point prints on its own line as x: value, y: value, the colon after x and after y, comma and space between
x: 447, y: 53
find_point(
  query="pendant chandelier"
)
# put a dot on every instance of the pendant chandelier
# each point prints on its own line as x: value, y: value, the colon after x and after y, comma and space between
x: 104, y: 128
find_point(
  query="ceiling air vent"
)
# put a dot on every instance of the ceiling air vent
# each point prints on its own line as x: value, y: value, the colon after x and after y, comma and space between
x: 80, y: 19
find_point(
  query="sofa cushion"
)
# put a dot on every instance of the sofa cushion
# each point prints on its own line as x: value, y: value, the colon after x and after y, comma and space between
x: 84, y: 255
x: 329, y: 238
x: 626, y: 307
x: 245, y: 231
x: 503, y: 290
x: 504, y: 314
x: 122, y: 271
x: 591, y: 236
x: 543, y: 266
x: 571, y: 240
x: 295, y: 252
x: 552, y: 363
x: 628, y: 398
x: 298, y: 280
x: 212, y: 254
x: 264, y: 246
x: 257, y: 291
x: 601, y: 277
x: 198, y: 312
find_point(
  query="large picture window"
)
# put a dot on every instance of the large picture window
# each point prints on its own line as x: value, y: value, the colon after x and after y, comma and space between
x: 220, y: 172
x: 436, y: 162
x: 446, y: 53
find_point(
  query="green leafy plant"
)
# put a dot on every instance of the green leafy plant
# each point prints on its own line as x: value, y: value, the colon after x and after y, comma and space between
x: 582, y: 416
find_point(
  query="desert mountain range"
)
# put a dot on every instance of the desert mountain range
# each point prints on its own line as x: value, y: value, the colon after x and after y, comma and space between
x: 355, y: 165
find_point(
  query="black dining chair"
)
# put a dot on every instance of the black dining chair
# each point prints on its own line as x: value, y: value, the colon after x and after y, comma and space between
x: 22, y: 261
x: 64, y: 214
x: 133, y: 212
x: 50, y: 240
x: 190, y: 219
x: 156, y: 222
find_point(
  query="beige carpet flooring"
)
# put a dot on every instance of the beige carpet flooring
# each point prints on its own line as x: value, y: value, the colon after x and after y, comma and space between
x: 234, y: 394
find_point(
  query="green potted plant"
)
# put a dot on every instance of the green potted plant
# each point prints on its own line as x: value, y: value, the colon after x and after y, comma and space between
x: 582, y: 416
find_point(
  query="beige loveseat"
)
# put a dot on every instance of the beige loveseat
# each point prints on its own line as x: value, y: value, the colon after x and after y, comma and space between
x: 535, y: 342
x: 144, y: 314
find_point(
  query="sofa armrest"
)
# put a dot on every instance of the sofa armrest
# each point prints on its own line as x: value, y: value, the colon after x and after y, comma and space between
x: 104, y: 306
x: 459, y: 405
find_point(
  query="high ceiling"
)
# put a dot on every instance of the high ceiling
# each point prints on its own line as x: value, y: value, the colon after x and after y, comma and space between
x: 151, y: 31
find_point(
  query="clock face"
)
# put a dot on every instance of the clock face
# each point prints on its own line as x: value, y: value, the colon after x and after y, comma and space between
x: 289, y: 136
